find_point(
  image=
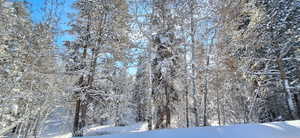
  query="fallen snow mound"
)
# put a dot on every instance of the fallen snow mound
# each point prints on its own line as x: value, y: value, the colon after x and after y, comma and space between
x: 287, y: 129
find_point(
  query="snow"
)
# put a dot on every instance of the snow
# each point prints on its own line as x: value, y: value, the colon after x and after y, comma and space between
x: 105, y: 130
x: 286, y: 129
x: 7, y: 4
x: 108, y: 129
x: 164, y: 40
x: 58, y: 124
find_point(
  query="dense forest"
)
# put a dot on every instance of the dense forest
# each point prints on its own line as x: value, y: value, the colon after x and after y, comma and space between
x: 170, y: 63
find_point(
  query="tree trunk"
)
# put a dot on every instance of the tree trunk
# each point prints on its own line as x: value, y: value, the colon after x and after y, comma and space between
x: 167, y: 108
x: 223, y: 113
x: 205, y: 94
x: 150, y: 88
x: 117, y: 123
x: 79, y: 121
x: 197, y: 122
x: 160, y: 116
x: 218, y: 103
x: 187, y: 108
x: 83, y: 115
x: 186, y: 89
x: 289, y: 96
x: 76, y: 119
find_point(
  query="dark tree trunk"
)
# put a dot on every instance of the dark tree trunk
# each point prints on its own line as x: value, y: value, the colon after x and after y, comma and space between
x: 187, y: 108
x: 205, y: 95
x: 149, y: 120
x: 76, y: 119
x: 168, y: 111
x: 83, y: 115
x: 160, y: 116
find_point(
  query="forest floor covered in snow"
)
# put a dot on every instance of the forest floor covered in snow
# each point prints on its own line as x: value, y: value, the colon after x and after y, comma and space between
x: 107, y: 130
x: 286, y: 129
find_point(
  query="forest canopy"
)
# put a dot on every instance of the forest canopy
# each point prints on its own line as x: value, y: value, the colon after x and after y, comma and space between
x: 169, y: 63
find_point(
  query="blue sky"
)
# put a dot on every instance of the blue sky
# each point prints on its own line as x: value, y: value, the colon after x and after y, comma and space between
x: 36, y: 9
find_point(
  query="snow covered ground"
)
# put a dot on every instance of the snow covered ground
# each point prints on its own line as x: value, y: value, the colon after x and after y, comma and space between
x: 108, y: 130
x: 286, y: 129
x: 59, y: 122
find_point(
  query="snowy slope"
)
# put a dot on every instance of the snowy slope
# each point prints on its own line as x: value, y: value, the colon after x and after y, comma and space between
x: 287, y: 129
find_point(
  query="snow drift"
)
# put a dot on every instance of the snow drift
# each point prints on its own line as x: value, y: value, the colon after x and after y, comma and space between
x: 286, y: 129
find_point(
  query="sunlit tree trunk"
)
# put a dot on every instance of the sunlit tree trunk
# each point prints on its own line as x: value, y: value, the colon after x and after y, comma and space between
x: 194, y: 91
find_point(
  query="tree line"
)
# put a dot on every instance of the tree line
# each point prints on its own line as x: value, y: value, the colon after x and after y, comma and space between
x: 170, y: 63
